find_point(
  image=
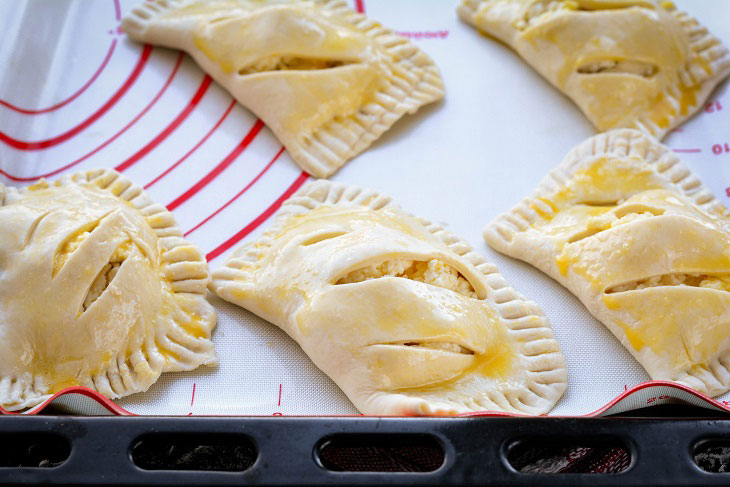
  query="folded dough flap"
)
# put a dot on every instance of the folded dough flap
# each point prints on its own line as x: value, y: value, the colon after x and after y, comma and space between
x: 640, y: 64
x: 608, y: 173
x: 506, y: 19
x: 363, y: 286
x: 324, y: 78
x: 117, y: 296
x: 693, y: 328
x: 644, y: 245
x: 629, y: 252
x: 439, y: 335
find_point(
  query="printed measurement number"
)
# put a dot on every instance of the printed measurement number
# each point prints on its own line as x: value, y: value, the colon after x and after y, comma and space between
x: 718, y: 149
x: 713, y: 106
x: 654, y: 399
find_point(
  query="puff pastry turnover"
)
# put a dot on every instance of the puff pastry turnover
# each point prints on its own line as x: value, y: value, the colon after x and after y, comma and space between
x: 626, y: 63
x: 631, y: 232
x: 325, y: 79
x: 97, y: 288
x: 402, y: 315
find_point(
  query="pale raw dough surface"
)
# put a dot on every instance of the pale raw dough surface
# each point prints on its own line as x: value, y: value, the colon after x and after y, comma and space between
x: 327, y: 80
x: 499, y: 130
x: 639, y: 64
x: 98, y: 289
x: 624, y: 225
x: 449, y: 337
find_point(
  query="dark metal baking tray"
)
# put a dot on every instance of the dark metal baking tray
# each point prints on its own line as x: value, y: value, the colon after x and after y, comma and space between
x: 294, y: 450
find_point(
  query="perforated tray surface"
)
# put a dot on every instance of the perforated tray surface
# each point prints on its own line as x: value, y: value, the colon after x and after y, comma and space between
x: 363, y: 451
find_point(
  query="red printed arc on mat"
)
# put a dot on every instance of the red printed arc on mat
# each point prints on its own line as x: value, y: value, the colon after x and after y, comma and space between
x: 44, y: 144
x: 194, y: 148
x: 227, y: 161
x: 298, y: 182
x: 62, y: 103
x: 246, y: 188
x: 110, y: 140
x: 84, y: 87
x: 194, y: 101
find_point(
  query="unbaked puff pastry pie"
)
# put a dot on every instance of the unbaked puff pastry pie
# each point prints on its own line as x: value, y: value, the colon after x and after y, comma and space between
x: 97, y: 289
x: 402, y: 315
x: 631, y: 232
x: 327, y: 80
x: 626, y: 63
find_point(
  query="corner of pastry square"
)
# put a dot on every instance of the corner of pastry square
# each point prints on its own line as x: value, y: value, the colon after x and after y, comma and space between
x: 629, y: 230
x: 404, y: 316
x: 639, y: 64
x: 97, y: 289
x: 325, y: 79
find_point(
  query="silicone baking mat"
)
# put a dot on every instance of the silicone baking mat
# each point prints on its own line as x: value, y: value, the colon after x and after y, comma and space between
x: 75, y: 93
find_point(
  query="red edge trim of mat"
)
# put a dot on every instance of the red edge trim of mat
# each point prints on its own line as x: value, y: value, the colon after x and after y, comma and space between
x: 119, y: 411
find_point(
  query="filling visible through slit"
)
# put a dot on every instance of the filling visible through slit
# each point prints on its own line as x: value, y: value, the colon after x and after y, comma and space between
x: 69, y: 248
x: 291, y: 63
x: 73, y: 243
x: 107, y: 274
x: 541, y: 8
x: 433, y: 272
x: 599, y: 204
x: 719, y: 282
x: 637, y: 68
x: 445, y: 346
x: 320, y: 237
x: 621, y: 216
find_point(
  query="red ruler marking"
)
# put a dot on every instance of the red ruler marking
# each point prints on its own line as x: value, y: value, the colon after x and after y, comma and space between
x: 134, y: 158
x: 114, y: 137
x: 117, y: 10
x: 298, y: 182
x: 279, y: 403
x: 258, y: 176
x: 227, y: 161
x: 687, y: 151
x: 71, y: 98
x: 192, y: 399
x: 676, y: 391
x: 195, y: 147
x: 360, y: 6
x: 43, y: 144
x: 424, y: 34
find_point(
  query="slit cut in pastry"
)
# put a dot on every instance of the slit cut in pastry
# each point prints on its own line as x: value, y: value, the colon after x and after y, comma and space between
x: 325, y: 79
x: 97, y: 289
x: 401, y: 314
x: 638, y: 64
x: 649, y: 257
